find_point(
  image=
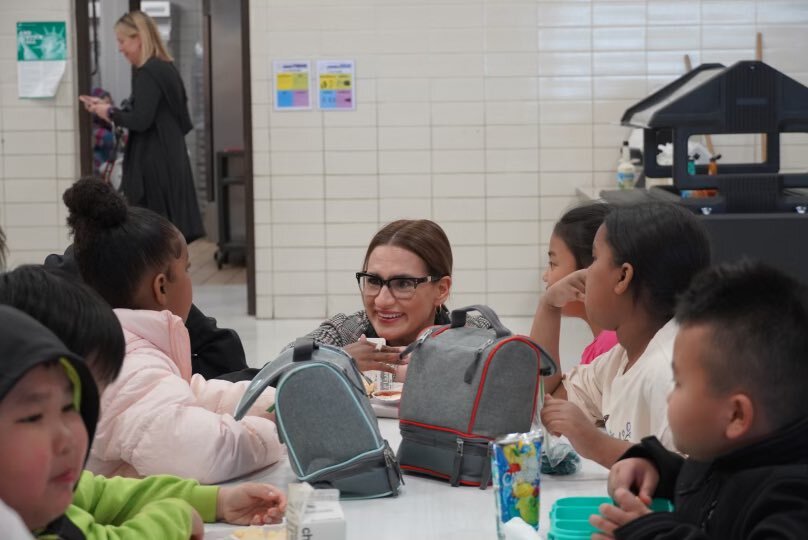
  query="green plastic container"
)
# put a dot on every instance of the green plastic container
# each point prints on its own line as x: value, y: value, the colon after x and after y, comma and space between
x: 569, y: 517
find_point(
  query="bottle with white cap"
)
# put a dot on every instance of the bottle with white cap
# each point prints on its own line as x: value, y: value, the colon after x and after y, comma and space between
x: 626, y: 175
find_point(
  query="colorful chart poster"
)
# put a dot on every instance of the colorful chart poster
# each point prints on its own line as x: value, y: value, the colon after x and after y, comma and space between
x: 292, y: 84
x: 41, y: 58
x: 336, y: 86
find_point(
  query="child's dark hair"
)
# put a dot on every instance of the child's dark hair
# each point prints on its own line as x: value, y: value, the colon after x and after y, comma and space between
x: 577, y: 228
x: 665, y: 244
x: 758, y: 316
x: 117, y: 245
x: 78, y: 316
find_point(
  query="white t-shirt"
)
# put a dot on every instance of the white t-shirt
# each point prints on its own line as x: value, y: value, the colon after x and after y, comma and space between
x: 12, y: 526
x: 632, y: 403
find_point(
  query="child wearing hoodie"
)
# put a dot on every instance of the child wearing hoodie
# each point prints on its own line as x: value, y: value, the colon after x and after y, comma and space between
x: 48, y: 414
x: 738, y: 410
x: 158, y: 418
x: 79, y: 317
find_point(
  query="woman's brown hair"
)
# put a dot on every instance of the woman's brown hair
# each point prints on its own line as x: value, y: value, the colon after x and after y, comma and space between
x: 423, y: 237
x: 137, y: 23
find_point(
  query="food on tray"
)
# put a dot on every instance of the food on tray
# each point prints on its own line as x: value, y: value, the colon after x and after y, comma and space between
x: 370, y: 386
x: 388, y: 395
x: 259, y: 533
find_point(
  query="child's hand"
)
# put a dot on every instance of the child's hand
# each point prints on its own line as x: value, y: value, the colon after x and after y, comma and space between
x: 570, y: 288
x: 629, y: 507
x: 636, y: 475
x: 561, y: 417
x: 197, y: 525
x: 250, y: 504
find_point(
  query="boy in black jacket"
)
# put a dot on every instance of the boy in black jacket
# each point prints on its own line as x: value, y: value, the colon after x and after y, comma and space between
x: 739, y: 410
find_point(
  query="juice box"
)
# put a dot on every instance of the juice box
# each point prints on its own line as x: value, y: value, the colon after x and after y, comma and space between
x: 515, y: 471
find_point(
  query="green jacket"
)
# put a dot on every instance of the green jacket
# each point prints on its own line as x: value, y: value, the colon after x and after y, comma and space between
x: 130, y: 508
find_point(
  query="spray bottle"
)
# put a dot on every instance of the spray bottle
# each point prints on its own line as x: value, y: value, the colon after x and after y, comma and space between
x: 626, y: 175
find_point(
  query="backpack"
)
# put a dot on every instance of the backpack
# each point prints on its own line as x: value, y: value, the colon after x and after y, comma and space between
x: 325, y: 418
x: 465, y: 387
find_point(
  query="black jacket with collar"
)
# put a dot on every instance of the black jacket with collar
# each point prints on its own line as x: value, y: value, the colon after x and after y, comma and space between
x: 756, y: 492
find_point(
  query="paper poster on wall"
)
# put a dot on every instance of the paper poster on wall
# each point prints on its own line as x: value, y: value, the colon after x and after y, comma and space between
x: 292, y: 84
x: 335, y: 85
x: 41, y: 58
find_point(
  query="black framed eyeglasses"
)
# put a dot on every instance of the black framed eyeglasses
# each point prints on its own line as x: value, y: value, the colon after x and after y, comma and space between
x: 400, y: 287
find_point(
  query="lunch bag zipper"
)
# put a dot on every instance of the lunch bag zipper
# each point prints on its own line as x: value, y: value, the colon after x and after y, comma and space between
x: 462, y: 446
x: 386, y: 457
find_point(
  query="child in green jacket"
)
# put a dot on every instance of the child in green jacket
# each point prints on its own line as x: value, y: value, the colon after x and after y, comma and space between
x: 48, y: 411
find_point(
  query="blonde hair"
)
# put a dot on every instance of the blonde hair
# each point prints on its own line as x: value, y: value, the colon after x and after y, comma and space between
x: 137, y: 23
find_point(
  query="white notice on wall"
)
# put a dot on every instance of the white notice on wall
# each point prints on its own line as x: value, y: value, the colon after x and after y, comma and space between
x: 41, y: 58
x: 335, y: 85
x: 292, y: 84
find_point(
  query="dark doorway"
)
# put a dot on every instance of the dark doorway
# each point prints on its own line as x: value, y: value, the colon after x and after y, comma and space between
x: 209, y: 40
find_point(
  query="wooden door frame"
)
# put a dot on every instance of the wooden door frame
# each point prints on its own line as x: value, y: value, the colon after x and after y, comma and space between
x: 249, y: 214
x: 81, y: 23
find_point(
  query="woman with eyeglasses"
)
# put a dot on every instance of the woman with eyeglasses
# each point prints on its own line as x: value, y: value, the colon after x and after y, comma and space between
x: 156, y: 169
x: 405, y: 281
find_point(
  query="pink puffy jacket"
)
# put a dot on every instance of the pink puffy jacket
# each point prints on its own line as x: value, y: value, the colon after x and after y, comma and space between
x: 158, y: 419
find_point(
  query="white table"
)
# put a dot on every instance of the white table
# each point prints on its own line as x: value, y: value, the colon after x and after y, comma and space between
x: 431, y: 509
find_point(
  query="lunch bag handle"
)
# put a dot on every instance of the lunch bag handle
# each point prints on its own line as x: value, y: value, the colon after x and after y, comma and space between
x: 304, y: 348
x: 271, y: 373
x: 459, y: 318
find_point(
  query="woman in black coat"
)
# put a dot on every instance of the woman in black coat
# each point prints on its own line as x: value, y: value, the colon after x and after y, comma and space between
x: 156, y: 169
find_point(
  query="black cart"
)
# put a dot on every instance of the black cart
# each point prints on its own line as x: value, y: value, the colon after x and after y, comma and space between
x: 751, y: 209
x: 230, y: 200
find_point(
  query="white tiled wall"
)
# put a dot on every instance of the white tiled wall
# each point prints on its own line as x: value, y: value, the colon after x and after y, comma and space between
x: 38, y: 142
x: 483, y: 115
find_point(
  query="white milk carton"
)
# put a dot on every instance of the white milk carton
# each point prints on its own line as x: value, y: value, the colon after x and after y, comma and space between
x: 382, y: 380
x: 314, y: 514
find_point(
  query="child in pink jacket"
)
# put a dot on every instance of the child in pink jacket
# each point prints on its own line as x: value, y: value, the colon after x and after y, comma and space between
x: 158, y: 419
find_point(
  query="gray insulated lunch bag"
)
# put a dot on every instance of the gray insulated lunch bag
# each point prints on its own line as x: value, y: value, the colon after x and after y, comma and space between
x: 465, y: 387
x: 326, y: 420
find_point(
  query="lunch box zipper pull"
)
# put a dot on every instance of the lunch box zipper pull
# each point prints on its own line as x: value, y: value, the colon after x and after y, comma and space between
x: 393, y: 469
x: 409, y: 349
x: 458, y: 462
x: 472, y: 369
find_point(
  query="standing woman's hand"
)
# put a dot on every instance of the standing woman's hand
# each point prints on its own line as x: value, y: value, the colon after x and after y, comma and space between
x: 101, y: 110
x: 88, y: 101
x: 369, y: 357
x: 96, y: 106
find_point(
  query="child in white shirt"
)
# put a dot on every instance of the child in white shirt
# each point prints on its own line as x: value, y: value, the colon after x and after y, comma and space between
x: 644, y: 256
